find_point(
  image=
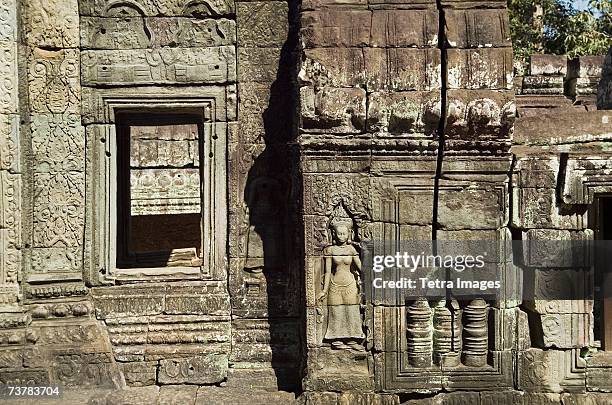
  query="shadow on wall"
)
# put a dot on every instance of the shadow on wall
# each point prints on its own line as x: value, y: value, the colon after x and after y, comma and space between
x: 604, y: 90
x: 272, y: 236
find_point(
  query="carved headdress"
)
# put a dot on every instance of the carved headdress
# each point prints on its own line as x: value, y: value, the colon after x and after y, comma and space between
x: 340, y: 217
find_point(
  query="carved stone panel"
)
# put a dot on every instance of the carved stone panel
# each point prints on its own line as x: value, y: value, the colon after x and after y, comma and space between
x: 477, y: 28
x: 59, y: 260
x: 25, y: 377
x: 58, y: 209
x: 208, y: 369
x: 537, y: 208
x: 254, y: 101
x: 114, y: 33
x: 10, y: 208
x: 8, y: 20
x: 314, y: 4
x: 473, y: 209
x: 84, y: 369
x: 333, y: 110
x: 140, y: 373
x: 410, y: 112
x: 551, y: 371
x: 155, y: 32
x: 51, y: 23
x: 188, y: 32
x: 165, y: 65
x: 484, y: 68
x: 168, y: 8
x: 54, y: 83
x: 58, y: 142
x: 480, y: 114
x: 10, y: 263
x: 338, y: 67
x: 262, y: 24
x: 351, y: 190
x: 402, y: 68
x: 99, y: 104
x: 404, y: 28
x: 164, y: 170
x: 262, y: 64
x: 9, y: 143
x: 336, y: 27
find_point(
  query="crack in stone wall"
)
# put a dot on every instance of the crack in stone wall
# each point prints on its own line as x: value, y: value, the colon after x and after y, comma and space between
x: 444, y: 111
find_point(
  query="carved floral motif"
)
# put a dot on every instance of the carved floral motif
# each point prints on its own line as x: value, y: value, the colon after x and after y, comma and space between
x: 8, y: 20
x: 58, y: 142
x: 58, y: 209
x: 51, y: 23
x: 8, y: 84
x: 54, y: 81
x: 9, y: 142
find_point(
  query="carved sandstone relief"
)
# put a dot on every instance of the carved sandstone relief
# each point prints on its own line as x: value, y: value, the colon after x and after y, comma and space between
x: 51, y: 23
x: 9, y: 143
x: 340, y: 297
x: 255, y: 29
x: 446, y: 335
x: 168, y: 8
x: 135, y: 32
x: 10, y: 236
x: 58, y: 215
x: 379, y: 69
x: 58, y: 143
x: 156, y: 66
x: 54, y: 83
x: 8, y: 20
x: 8, y: 86
x: 377, y: 28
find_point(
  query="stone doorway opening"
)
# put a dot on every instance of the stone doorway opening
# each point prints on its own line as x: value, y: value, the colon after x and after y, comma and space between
x: 601, y: 219
x: 159, y: 190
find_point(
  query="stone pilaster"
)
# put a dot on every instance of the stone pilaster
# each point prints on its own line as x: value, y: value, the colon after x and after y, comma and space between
x: 10, y: 161
x: 56, y: 142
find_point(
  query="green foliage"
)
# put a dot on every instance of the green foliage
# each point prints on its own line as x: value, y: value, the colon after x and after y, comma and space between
x: 558, y: 28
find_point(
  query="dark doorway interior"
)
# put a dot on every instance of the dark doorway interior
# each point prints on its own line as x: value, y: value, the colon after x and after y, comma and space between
x: 159, y: 183
x: 601, y: 219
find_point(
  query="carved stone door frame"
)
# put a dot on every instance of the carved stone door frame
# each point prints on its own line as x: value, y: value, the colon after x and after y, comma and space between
x: 101, y: 109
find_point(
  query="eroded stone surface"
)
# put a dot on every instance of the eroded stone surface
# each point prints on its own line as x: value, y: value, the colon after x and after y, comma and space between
x: 322, y: 126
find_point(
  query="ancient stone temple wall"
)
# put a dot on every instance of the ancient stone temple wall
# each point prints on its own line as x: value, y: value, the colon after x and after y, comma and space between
x: 558, y: 179
x: 179, y: 178
x: 410, y: 108
x: 407, y: 134
x: 76, y: 76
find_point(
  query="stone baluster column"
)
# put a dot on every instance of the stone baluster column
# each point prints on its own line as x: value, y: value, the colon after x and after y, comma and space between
x: 475, y: 334
x: 420, y: 333
x: 446, y: 335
